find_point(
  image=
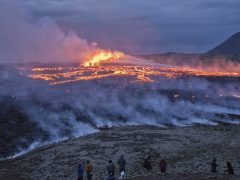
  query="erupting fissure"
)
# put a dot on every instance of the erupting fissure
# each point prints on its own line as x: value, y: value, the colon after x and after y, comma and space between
x: 99, y: 56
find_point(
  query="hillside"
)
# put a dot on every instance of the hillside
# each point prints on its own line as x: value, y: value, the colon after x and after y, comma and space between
x: 228, y: 50
x: 229, y: 47
x: 188, y: 151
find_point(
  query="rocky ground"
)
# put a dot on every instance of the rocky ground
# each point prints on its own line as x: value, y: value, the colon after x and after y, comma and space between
x: 188, y: 151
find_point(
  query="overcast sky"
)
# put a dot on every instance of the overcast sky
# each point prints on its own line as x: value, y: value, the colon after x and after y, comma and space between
x: 145, y: 26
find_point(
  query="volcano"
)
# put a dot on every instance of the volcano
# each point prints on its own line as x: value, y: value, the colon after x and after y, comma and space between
x: 229, y: 47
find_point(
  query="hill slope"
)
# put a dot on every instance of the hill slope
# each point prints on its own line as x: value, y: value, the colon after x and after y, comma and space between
x: 188, y: 151
x: 229, y: 47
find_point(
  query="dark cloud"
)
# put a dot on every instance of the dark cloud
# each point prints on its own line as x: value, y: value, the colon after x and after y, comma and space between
x: 145, y: 26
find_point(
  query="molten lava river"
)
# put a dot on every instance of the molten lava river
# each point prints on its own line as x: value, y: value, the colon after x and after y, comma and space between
x: 144, y: 74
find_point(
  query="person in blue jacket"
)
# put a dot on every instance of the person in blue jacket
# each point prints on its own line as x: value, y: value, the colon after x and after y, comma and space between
x: 80, y: 171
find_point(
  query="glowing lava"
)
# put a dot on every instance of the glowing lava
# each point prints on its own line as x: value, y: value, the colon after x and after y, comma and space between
x: 63, y: 75
x: 98, y: 65
x: 99, y: 56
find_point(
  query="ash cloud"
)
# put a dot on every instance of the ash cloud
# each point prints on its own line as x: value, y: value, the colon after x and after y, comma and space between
x: 25, y: 40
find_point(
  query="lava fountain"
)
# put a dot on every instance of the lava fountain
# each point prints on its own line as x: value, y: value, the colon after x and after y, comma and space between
x: 99, y: 56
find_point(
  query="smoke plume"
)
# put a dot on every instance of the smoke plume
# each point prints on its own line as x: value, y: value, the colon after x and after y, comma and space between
x: 24, y: 40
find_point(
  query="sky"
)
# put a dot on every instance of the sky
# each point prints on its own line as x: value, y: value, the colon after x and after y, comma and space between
x: 144, y: 26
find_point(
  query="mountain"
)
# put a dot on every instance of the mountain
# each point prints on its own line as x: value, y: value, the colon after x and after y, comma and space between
x: 228, y: 50
x: 229, y: 47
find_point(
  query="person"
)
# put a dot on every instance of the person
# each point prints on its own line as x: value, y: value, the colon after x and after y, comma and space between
x: 80, y: 171
x: 163, y: 166
x: 111, y: 168
x: 89, y: 170
x: 214, y: 165
x: 122, y: 164
x: 229, y: 168
x: 147, y: 164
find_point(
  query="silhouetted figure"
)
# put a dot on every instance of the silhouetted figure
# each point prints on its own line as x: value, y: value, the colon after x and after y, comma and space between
x: 163, y: 166
x: 89, y: 170
x: 147, y: 164
x: 111, y: 168
x: 80, y: 171
x: 122, y: 164
x: 229, y: 168
x: 214, y: 165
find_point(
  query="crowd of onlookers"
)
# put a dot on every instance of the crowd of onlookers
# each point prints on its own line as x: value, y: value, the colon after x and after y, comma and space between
x: 147, y: 164
x: 110, y: 175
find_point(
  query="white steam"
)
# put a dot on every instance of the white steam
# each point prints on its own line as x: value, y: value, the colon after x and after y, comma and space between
x: 75, y: 109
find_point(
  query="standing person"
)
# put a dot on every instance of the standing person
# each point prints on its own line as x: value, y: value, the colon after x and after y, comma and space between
x: 122, y: 164
x: 89, y: 170
x: 163, y: 166
x: 80, y: 171
x: 214, y: 165
x: 111, y: 169
x: 147, y: 164
x: 229, y: 168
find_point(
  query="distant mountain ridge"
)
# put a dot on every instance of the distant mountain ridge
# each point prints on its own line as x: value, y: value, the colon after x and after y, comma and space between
x: 228, y: 50
x: 229, y: 47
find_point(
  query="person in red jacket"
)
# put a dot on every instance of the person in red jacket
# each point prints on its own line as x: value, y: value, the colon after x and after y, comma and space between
x: 163, y: 166
x: 89, y: 170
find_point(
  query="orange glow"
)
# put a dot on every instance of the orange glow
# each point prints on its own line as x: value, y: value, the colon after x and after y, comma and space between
x: 99, y: 56
x: 47, y: 69
x: 144, y: 74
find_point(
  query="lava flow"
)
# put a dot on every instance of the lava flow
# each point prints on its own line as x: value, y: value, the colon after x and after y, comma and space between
x: 95, y: 67
x: 63, y: 75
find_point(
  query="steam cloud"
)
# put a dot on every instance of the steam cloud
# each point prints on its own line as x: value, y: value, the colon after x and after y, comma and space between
x: 22, y: 40
x: 75, y: 109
